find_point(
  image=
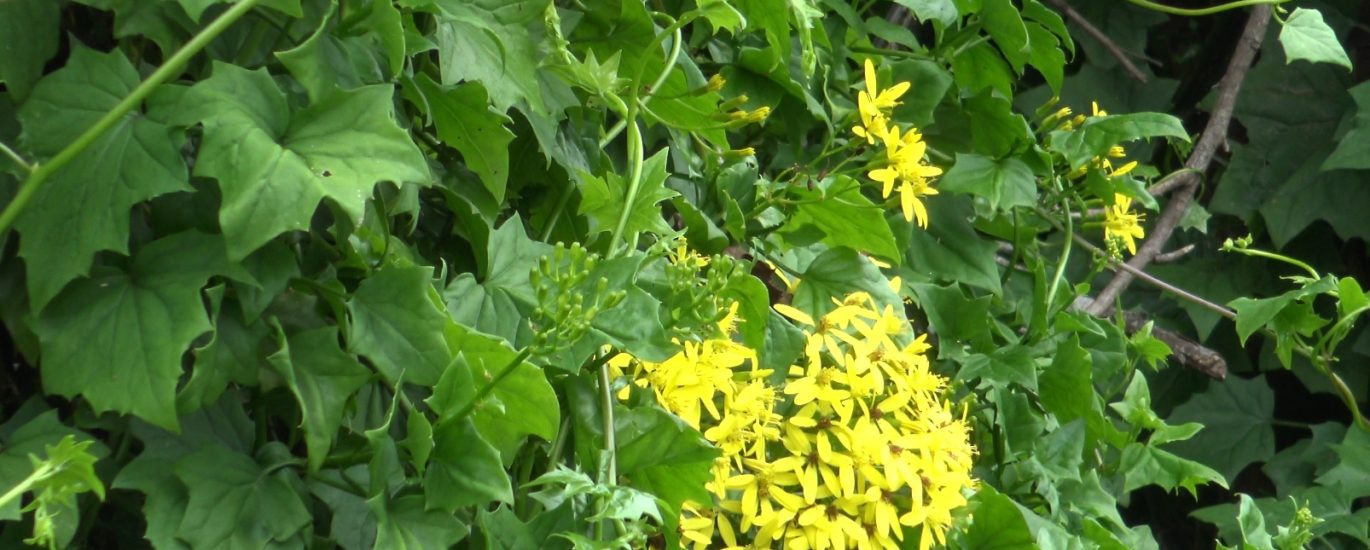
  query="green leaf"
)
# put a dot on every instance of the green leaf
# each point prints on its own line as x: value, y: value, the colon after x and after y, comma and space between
x: 464, y: 120
x: 30, y: 31
x: 998, y: 523
x: 958, y: 320
x: 1306, y: 36
x: 1005, y: 25
x: 1098, y: 134
x: 941, y: 11
x: 117, y: 337
x: 1350, y: 297
x: 231, y: 356
x: 84, y: 207
x: 1144, y: 465
x: 274, y: 165
x: 396, y: 323
x: 323, y: 378
x: 1065, y: 387
x: 464, y: 469
x: 660, y: 454
x: 1252, y: 523
x: 327, y: 61
x: 994, y: 127
x: 917, y: 105
x: 1352, y: 472
x: 846, y: 218
x: 522, y: 404
x: 722, y: 15
x: 1004, y: 183
x: 1237, y: 415
x: 1254, y: 314
x: 405, y: 523
x: 1046, y: 57
x: 228, y: 491
x: 836, y: 273
x: 950, y: 249
x: 978, y: 67
x: 1009, y: 365
x: 222, y: 425
x: 604, y: 200
x: 1353, y: 149
x: 493, y: 42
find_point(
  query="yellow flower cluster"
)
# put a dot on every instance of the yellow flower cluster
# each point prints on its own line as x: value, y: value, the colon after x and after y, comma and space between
x: 1121, y: 227
x: 855, y: 445
x: 905, y: 151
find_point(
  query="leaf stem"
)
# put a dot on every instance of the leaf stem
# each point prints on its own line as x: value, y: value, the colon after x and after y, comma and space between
x: 172, y: 67
x: 485, y: 390
x: 610, y: 445
x: 1065, y: 256
x: 1195, y: 12
x: 39, y: 474
x: 15, y: 157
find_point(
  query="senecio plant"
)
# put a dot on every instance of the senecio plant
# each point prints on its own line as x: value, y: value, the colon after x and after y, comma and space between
x: 595, y: 274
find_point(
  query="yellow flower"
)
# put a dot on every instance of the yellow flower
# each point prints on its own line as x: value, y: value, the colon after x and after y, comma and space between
x: 874, y: 104
x: 1120, y: 225
x: 906, y: 169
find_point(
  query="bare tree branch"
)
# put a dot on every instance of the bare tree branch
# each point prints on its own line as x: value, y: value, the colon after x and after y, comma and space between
x: 1108, y: 43
x: 1214, y: 134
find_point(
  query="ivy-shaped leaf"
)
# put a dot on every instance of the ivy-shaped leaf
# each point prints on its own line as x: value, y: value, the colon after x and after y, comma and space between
x: 1004, y: 183
x: 464, y: 469
x: 228, y: 491
x: 274, y: 165
x: 406, y: 523
x: 1237, y: 415
x: 846, y: 218
x: 397, y: 323
x: 1306, y: 36
x: 84, y: 207
x: 1146, y: 465
x: 604, y: 200
x: 492, y: 42
x: 117, y: 337
x: 464, y: 120
x: 323, y: 378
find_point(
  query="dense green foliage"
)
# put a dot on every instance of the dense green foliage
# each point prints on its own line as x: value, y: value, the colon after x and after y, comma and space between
x: 425, y: 273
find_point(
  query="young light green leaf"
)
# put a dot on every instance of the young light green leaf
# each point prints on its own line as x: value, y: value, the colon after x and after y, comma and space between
x: 117, y: 338
x: 397, y: 323
x: 604, y: 200
x: 1306, y: 36
x: 1144, y: 465
x: 84, y: 208
x: 274, y: 165
x: 522, y: 404
x: 323, y: 378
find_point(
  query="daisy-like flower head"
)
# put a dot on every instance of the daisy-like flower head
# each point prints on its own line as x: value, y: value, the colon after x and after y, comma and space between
x: 1120, y: 225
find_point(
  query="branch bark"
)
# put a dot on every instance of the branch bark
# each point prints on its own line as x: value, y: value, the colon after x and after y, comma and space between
x: 1095, y: 33
x: 1214, y: 134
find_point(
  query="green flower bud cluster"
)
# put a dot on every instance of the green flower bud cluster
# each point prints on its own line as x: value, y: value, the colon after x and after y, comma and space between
x: 567, y: 298
x: 696, y: 285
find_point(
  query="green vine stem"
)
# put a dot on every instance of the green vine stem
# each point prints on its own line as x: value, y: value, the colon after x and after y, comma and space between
x: 1196, y: 12
x: 1065, y: 253
x: 172, y: 67
x: 485, y: 390
x: 1232, y: 246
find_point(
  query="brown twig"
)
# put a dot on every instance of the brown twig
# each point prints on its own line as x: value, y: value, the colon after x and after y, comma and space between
x: 1187, y: 352
x: 1214, y: 134
x: 1095, y: 33
x: 1167, y: 257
